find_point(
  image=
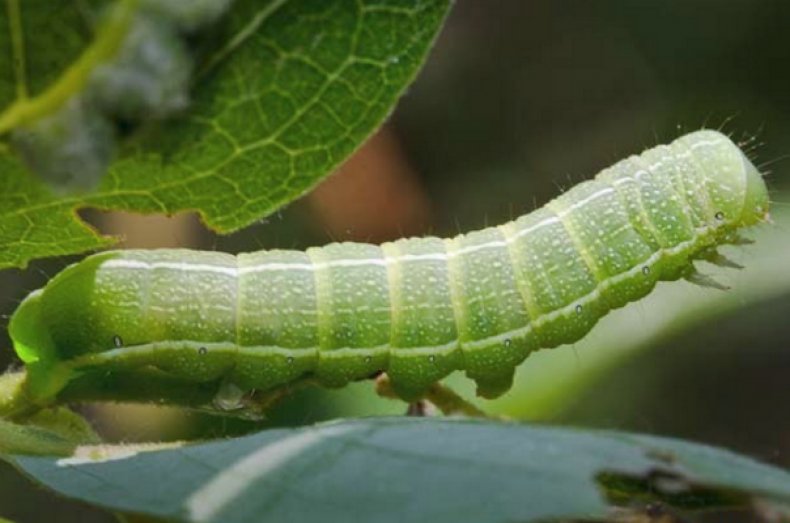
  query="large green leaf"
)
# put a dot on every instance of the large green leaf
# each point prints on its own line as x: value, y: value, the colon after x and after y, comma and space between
x: 291, y: 90
x: 400, y: 469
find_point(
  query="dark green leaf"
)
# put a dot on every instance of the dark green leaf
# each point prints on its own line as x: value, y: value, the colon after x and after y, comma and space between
x: 397, y: 469
x: 291, y: 89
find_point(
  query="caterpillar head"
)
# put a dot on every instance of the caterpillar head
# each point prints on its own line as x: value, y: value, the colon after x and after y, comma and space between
x: 33, y: 344
x: 31, y: 339
x: 55, y: 324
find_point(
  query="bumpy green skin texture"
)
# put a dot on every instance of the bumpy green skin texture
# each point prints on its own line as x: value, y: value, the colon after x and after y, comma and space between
x: 417, y: 308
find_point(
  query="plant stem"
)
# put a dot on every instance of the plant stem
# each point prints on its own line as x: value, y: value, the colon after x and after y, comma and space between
x: 444, y: 398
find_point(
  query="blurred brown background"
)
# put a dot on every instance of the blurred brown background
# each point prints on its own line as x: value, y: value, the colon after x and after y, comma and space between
x: 519, y: 100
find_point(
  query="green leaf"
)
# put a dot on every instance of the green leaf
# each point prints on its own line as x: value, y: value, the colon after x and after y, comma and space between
x: 401, y: 469
x: 54, y: 431
x: 39, y: 56
x: 57, y: 431
x: 289, y: 91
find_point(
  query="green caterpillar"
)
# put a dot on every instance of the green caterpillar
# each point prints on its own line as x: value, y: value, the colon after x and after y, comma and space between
x: 416, y: 308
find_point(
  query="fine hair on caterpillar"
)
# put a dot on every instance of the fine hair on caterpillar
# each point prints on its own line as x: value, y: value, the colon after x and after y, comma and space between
x: 416, y: 309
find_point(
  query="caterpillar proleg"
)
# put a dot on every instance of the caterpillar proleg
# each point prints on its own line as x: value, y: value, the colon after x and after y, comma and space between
x: 417, y: 309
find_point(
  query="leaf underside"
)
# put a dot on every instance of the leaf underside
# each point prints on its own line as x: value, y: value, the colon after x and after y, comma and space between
x: 396, y: 469
x: 287, y: 92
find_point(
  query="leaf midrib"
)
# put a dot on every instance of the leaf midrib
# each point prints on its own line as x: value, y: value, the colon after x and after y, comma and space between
x: 108, y: 41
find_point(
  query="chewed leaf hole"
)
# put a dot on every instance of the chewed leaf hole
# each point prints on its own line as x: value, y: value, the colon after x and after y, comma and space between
x: 661, y: 455
x: 667, y: 491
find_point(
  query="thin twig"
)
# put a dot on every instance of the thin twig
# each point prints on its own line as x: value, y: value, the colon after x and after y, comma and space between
x: 444, y: 398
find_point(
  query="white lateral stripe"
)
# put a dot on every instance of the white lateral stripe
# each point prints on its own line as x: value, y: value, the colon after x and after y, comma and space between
x: 120, y: 263
x: 503, y: 337
x: 587, y: 298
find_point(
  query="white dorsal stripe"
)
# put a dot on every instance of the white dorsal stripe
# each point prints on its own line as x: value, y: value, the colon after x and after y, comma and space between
x: 234, y: 271
x: 122, y: 263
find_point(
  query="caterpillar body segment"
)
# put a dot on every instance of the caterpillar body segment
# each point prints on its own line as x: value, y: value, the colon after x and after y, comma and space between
x: 416, y: 308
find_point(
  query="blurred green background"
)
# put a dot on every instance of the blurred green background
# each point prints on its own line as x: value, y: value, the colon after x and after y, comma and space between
x: 519, y: 100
